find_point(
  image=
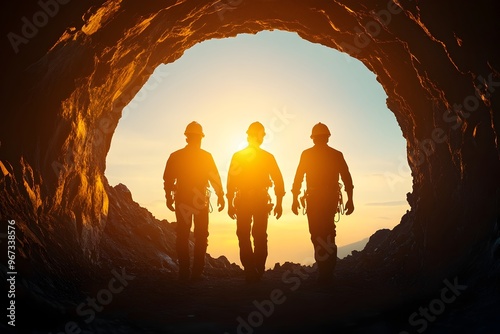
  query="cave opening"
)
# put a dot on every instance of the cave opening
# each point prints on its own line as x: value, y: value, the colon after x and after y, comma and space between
x: 288, y: 84
x: 65, y: 90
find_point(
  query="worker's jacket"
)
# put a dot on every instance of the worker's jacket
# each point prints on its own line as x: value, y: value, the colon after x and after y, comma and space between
x: 254, y: 170
x: 322, y: 166
x: 188, y: 172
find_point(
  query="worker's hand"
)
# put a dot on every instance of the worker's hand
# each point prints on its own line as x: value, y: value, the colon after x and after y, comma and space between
x: 231, y: 211
x: 278, y: 211
x: 349, y: 207
x: 221, y: 203
x: 170, y: 203
x: 295, y: 206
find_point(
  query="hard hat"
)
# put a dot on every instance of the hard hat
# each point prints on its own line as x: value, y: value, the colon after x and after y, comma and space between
x: 255, y: 129
x: 194, y: 128
x: 320, y: 129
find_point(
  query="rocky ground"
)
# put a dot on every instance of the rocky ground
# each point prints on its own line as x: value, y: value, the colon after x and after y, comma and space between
x: 287, y: 300
x: 134, y: 289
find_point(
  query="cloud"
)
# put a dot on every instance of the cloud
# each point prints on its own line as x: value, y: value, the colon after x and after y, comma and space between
x: 389, y: 203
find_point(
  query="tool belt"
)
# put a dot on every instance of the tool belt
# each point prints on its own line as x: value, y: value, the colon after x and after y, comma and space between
x: 196, y: 197
x: 334, y: 194
x: 258, y: 196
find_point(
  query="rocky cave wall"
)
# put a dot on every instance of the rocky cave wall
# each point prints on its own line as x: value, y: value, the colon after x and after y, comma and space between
x: 66, y: 85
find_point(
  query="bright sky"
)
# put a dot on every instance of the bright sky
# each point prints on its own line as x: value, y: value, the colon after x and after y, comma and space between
x: 288, y: 84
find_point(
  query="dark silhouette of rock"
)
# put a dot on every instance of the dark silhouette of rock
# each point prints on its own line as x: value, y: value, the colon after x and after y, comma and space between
x: 68, y: 75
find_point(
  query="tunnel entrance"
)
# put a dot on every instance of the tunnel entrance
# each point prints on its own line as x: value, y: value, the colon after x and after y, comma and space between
x: 66, y: 99
x: 288, y: 84
x: 69, y: 82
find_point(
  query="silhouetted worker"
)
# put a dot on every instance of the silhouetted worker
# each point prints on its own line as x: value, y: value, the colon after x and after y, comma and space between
x: 322, y: 166
x: 186, y: 179
x: 251, y: 173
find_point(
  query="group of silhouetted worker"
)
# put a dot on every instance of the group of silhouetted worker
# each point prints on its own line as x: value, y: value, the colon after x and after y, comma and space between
x: 191, y: 170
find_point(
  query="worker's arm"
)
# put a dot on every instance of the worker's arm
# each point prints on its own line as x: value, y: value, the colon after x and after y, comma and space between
x: 348, y: 186
x: 231, y: 187
x: 215, y: 181
x: 169, y: 182
x: 297, y: 184
x: 279, y: 187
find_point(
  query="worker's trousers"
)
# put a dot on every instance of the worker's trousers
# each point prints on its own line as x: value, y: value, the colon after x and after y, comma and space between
x: 252, y: 212
x: 321, y: 212
x: 187, y: 212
